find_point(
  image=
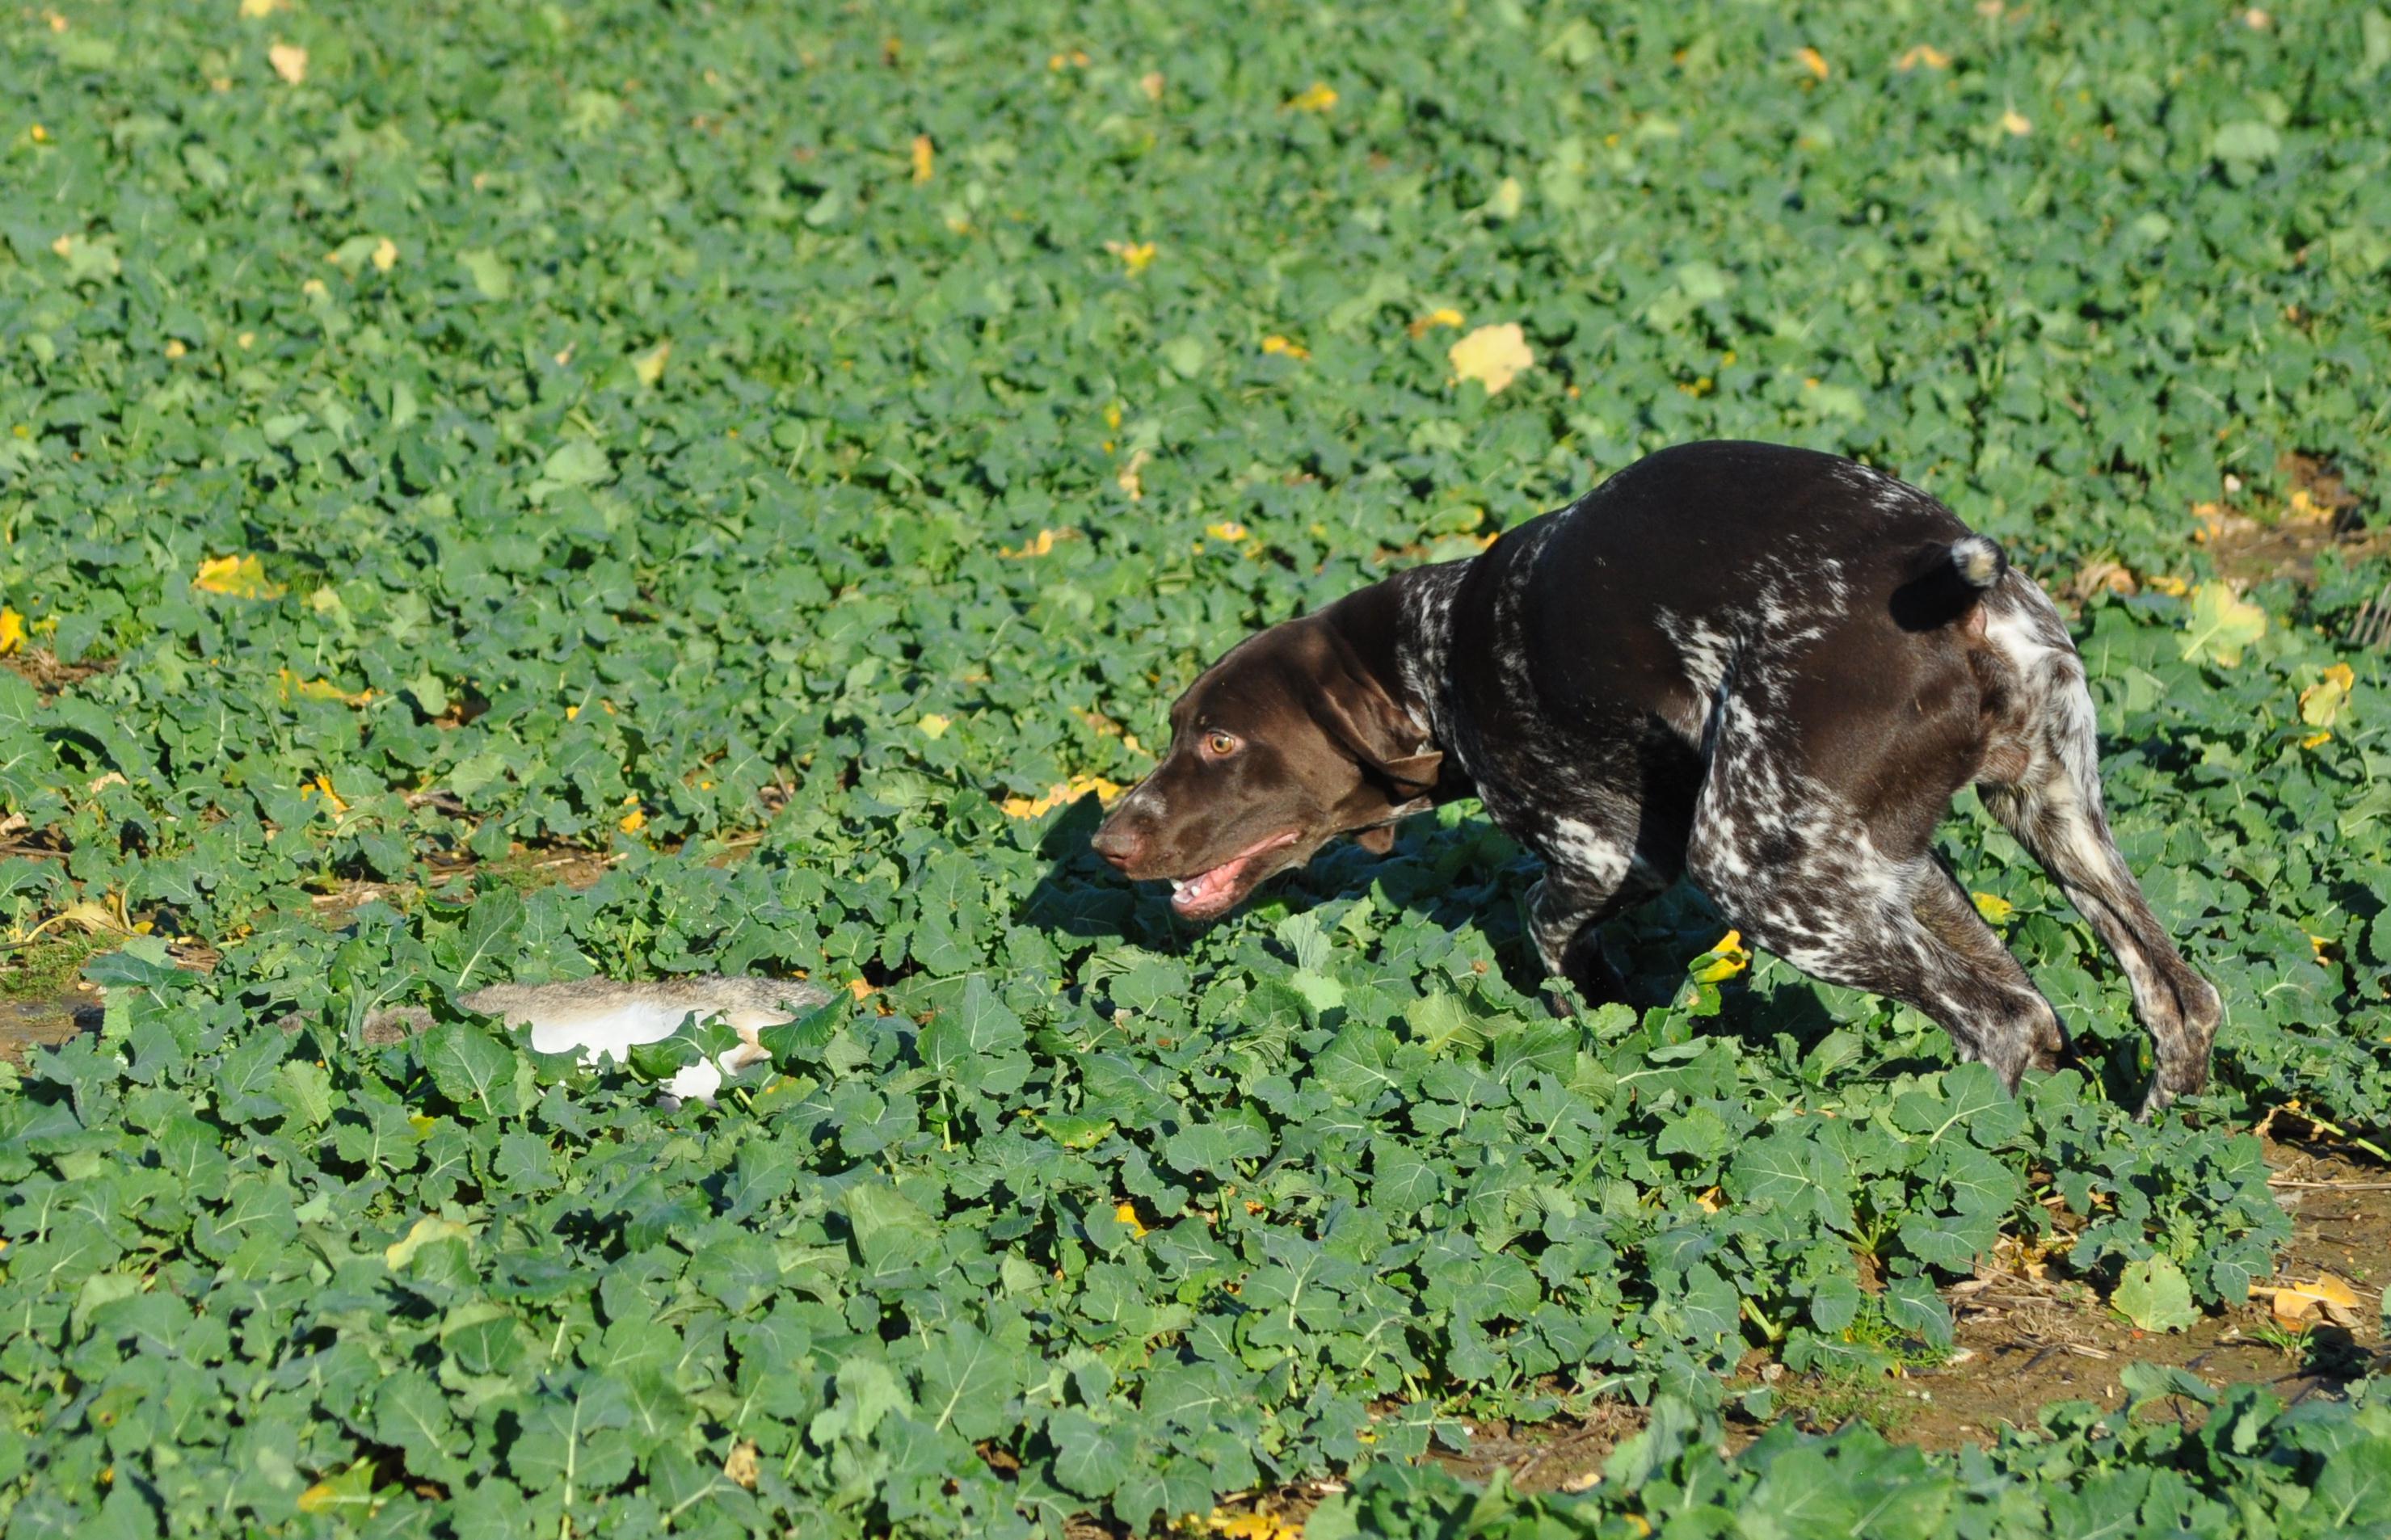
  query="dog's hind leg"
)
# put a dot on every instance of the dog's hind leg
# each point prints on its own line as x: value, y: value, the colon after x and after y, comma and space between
x: 1858, y: 899
x: 1899, y: 929
x: 2047, y: 793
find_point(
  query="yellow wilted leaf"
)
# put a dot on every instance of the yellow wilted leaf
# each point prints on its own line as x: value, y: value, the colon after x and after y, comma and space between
x: 86, y: 915
x: 1924, y: 54
x: 740, y: 1467
x: 2013, y: 122
x: 933, y: 725
x: 2221, y: 626
x: 650, y: 365
x: 1129, y: 481
x: 12, y: 631
x: 1285, y: 347
x: 2162, y: 584
x: 385, y: 254
x: 289, y: 61
x: 1043, y: 543
x: 1813, y: 61
x: 236, y: 578
x: 632, y: 822
x: 2102, y: 575
x: 254, y: 8
x: 318, y: 689
x: 1127, y: 1214
x: 1069, y: 791
x: 350, y: 1491
x: 1151, y: 84
x: 2319, y: 703
x: 424, y: 1232
x: 1992, y: 907
x: 322, y: 786
x: 1722, y: 961
x: 1442, y: 316
x: 2328, y: 1296
x: 926, y: 158
x: 2215, y: 519
x: 1231, y: 531
x: 1253, y: 1526
x: 1494, y: 355
x: 1315, y: 97
x: 1136, y: 255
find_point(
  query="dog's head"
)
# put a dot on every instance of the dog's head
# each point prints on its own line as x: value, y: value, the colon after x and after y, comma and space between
x: 1284, y: 744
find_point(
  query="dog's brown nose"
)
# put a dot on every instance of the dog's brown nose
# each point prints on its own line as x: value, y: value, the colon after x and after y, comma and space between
x: 1117, y: 845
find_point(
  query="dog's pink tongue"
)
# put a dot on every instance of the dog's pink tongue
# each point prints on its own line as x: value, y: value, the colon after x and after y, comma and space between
x: 1207, y: 889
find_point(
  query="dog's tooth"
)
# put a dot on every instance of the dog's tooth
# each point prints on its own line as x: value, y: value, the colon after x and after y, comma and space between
x: 1178, y: 885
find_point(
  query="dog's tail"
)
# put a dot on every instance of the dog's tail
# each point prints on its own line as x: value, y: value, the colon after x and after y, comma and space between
x: 1949, y: 580
x: 1978, y: 561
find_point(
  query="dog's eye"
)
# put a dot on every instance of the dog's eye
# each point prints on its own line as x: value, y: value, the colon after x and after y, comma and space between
x: 1219, y: 745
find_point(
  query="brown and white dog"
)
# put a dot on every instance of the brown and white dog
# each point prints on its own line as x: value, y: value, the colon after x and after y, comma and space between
x: 1761, y: 667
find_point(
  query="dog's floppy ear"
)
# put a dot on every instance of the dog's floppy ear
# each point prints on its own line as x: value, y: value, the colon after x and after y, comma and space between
x: 1360, y: 715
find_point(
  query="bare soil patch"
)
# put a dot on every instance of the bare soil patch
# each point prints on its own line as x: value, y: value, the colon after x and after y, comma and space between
x: 2320, y: 512
x: 42, y: 669
x: 2025, y: 1342
x: 2027, y: 1337
x: 45, y: 1023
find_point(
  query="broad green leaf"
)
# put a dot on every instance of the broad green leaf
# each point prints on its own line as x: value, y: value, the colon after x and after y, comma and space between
x: 493, y: 278
x: 2153, y: 1294
x: 967, y: 1382
x: 2219, y: 626
x: 473, y: 1069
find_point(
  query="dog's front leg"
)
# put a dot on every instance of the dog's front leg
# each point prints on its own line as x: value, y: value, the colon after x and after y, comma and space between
x: 1565, y: 915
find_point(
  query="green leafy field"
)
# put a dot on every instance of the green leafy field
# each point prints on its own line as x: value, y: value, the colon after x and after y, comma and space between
x: 779, y: 449
x: 2251, y: 1469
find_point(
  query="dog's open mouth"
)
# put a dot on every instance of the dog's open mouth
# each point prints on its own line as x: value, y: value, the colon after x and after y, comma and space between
x: 1217, y: 891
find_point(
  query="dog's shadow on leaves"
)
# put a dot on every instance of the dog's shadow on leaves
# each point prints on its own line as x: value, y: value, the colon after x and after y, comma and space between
x: 1469, y: 874
x: 1458, y: 875
x: 1453, y: 876
x: 1080, y: 896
